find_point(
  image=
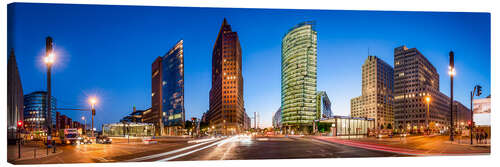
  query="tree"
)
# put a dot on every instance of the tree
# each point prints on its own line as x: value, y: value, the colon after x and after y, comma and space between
x: 389, y: 126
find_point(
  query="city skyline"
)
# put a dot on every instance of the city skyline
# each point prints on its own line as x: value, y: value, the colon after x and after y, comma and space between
x: 470, y: 42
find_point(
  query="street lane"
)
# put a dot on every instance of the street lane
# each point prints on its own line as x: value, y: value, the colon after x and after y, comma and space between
x: 280, y: 148
x: 228, y: 148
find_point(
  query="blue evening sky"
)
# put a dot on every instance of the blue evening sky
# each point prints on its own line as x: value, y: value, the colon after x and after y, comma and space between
x: 107, y: 51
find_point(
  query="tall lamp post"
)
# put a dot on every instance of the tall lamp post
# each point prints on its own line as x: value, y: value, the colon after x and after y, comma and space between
x: 84, y: 125
x: 49, y: 60
x: 428, y: 101
x: 451, y: 72
x: 93, y: 101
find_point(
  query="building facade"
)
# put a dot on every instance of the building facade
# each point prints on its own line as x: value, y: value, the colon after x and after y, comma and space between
x: 377, y: 99
x: 415, y: 78
x: 167, y: 97
x: 136, y: 116
x: 277, y: 119
x: 15, y: 98
x: 482, y: 111
x: 324, y: 105
x: 226, y: 105
x: 298, y: 77
x: 35, y: 112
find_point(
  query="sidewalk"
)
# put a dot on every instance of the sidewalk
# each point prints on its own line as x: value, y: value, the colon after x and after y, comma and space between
x: 412, y: 145
x: 28, y: 152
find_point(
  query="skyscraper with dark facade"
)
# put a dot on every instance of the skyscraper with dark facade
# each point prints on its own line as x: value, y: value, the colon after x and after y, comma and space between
x: 167, y: 96
x: 414, y: 79
x: 226, y: 111
x: 15, y: 104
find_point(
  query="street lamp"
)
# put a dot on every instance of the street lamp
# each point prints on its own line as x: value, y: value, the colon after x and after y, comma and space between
x: 428, y: 101
x: 451, y: 72
x: 92, y: 102
x: 84, y: 125
x: 49, y: 60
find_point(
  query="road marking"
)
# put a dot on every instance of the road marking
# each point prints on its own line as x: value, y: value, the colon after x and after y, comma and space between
x: 167, y: 153
x: 190, y: 152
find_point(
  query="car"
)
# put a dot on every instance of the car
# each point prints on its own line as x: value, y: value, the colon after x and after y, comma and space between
x: 85, y: 140
x: 103, y: 140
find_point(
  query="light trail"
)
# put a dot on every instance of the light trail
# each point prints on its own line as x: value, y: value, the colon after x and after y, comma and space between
x: 193, y: 151
x: 168, y: 153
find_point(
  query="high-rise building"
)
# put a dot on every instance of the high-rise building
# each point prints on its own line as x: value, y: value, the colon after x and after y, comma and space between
x: 324, y: 105
x: 226, y: 111
x: 277, y: 119
x: 167, y: 97
x: 15, y: 102
x: 298, y: 77
x: 415, y: 78
x: 35, y: 112
x: 376, y: 100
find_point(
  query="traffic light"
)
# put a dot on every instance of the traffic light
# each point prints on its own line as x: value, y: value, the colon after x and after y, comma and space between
x: 19, y: 124
x: 469, y: 123
x: 479, y: 90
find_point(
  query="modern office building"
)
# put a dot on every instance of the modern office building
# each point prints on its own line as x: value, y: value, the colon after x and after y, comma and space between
x: 482, y: 111
x: 346, y: 126
x: 15, y: 99
x: 377, y: 99
x: 415, y: 78
x: 136, y: 116
x: 298, y: 77
x: 35, y: 112
x: 226, y: 105
x: 128, y: 129
x: 167, y: 97
x: 277, y: 119
x: 324, y: 105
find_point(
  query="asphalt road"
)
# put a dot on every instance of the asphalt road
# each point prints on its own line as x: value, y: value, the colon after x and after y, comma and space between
x: 241, y: 148
x: 229, y: 148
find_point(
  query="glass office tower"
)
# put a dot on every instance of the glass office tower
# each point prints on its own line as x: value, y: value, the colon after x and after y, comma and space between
x: 298, y: 77
x: 35, y: 112
x: 173, y: 90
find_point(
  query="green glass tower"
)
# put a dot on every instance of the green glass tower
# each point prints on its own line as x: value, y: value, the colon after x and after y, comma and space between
x: 298, y: 77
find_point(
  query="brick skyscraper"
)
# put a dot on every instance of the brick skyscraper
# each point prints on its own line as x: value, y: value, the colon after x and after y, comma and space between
x: 227, y: 111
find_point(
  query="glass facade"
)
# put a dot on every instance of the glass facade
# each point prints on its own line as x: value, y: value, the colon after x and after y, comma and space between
x: 298, y: 75
x: 173, y: 87
x: 324, y: 105
x: 131, y: 129
x: 35, y: 111
x: 346, y: 126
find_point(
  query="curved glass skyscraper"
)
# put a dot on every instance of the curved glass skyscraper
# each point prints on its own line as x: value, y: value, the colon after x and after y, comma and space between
x: 298, y: 76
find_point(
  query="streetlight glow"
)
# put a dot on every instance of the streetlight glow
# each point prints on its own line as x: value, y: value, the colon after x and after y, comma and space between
x: 451, y: 71
x: 92, y: 101
x: 49, y: 59
x: 428, y: 99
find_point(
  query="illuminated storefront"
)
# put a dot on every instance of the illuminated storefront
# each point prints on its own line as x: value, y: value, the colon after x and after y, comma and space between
x: 344, y: 125
x: 128, y: 129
